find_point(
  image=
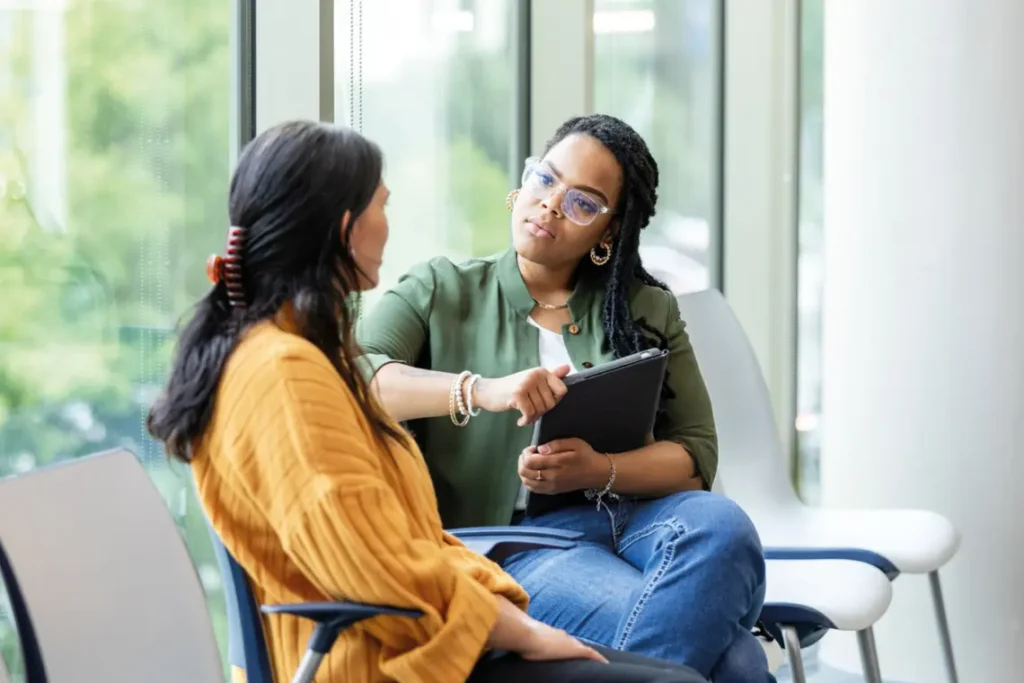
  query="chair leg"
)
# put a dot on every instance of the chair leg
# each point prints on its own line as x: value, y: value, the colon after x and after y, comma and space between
x: 940, y: 617
x: 796, y: 658
x: 869, y: 655
x: 308, y: 667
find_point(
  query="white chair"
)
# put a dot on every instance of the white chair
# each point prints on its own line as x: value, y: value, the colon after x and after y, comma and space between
x: 752, y: 462
x: 107, y: 589
x: 806, y: 598
x: 802, y: 603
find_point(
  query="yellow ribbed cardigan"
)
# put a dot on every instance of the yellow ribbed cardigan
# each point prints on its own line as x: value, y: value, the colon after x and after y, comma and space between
x: 308, y: 503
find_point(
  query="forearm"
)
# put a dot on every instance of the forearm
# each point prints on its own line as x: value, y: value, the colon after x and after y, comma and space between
x: 410, y: 393
x: 513, y: 631
x: 658, y: 469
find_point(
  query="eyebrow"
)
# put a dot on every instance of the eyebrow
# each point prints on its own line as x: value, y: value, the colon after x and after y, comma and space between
x: 585, y: 188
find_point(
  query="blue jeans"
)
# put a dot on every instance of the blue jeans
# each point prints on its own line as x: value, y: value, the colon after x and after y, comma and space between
x: 680, y: 578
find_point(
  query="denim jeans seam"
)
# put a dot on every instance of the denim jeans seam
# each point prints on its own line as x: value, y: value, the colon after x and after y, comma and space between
x: 641, y: 603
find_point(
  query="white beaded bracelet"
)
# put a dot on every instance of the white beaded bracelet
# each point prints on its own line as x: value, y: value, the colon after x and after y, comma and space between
x: 456, y: 404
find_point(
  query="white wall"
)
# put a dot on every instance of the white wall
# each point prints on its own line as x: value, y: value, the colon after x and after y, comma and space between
x: 923, y: 368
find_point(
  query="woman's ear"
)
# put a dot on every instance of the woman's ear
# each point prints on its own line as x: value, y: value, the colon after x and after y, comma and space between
x: 611, y: 232
x: 346, y: 220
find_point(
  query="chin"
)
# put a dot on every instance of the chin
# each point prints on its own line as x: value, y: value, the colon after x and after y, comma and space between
x: 533, y: 250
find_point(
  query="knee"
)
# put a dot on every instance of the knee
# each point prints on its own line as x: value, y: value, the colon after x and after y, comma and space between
x: 720, y: 524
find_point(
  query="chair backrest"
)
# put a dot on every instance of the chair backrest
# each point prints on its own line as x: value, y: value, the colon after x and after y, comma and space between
x: 247, y: 646
x: 750, y: 452
x: 108, y: 583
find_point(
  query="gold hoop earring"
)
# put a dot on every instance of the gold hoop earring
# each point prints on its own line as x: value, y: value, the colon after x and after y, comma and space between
x: 510, y: 200
x: 601, y: 260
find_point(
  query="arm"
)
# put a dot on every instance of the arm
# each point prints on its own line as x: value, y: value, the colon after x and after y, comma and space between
x: 684, y: 455
x: 347, y: 532
x: 394, y: 336
x: 659, y: 469
x: 689, y: 420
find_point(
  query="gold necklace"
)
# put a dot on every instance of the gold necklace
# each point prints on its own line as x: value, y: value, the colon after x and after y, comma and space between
x: 550, y: 307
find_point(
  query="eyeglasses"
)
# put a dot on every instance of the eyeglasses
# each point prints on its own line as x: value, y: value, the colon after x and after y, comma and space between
x: 540, y: 181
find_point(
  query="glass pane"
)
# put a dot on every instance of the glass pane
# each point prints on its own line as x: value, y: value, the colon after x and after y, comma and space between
x: 114, y: 161
x: 433, y: 84
x: 809, y: 254
x: 656, y: 67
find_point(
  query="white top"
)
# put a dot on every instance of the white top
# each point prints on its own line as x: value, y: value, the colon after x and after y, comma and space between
x: 553, y: 353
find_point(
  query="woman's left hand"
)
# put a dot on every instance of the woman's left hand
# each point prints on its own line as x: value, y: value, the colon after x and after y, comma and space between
x: 561, y: 466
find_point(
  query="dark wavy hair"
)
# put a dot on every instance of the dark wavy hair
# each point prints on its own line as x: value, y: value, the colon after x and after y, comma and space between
x: 290, y: 190
x: 634, y: 211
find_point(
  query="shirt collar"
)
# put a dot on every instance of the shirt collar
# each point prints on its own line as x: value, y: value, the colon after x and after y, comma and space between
x: 512, y: 285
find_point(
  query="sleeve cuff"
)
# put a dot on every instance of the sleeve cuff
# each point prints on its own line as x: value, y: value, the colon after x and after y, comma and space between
x: 453, y: 652
x: 369, y: 363
x: 705, y: 463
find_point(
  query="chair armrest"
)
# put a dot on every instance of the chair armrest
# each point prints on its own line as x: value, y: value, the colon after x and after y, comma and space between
x: 500, y: 543
x: 511, y: 531
x: 334, y: 617
x: 834, y: 553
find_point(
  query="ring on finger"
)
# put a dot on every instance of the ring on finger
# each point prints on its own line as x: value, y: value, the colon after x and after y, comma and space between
x: 540, y: 476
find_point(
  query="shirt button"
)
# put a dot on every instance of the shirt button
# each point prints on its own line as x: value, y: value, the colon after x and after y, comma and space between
x: 574, y: 329
x: 587, y: 364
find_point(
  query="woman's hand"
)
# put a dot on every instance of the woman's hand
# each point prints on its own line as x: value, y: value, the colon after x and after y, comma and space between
x: 561, y: 466
x: 549, y: 643
x: 516, y: 631
x: 532, y: 392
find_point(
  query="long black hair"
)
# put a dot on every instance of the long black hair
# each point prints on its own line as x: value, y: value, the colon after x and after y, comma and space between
x: 634, y: 211
x: 289, y: 193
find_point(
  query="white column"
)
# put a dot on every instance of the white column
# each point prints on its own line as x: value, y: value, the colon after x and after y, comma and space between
x: 923, y: 342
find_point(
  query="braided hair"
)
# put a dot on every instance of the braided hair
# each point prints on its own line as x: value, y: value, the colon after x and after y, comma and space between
x: 636, y: 206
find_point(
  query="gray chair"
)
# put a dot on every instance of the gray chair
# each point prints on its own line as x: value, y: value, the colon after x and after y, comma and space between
x: 107, y: 589
x: 102, y: 587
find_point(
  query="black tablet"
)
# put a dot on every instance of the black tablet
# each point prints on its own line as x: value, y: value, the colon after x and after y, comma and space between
x: 612, y: 407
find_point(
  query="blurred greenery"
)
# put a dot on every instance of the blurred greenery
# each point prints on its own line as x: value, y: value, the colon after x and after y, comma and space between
x: 114, y: 164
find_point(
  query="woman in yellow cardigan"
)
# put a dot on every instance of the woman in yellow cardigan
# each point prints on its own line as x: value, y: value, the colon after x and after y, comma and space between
x: 315, y: 491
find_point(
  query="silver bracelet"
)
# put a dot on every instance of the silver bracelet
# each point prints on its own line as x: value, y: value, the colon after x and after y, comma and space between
x: 594, y: 494
x: 473, y: 412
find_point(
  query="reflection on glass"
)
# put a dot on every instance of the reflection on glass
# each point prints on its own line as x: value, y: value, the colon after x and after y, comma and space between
x: 655, y: 66
x: 113, y: 178
x: 431, y: 81
x: 809, y: 252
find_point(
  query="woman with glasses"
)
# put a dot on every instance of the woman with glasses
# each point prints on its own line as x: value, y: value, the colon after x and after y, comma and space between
x: 471, y: 354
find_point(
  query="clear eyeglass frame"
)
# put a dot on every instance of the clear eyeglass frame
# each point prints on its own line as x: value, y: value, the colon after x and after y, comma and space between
x: 540, y: 181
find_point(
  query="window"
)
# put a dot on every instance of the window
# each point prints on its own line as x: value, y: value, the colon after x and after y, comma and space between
x: 114, y: 163
x: 431, y: 81
x: 810, y: 235
x: 656, y: 66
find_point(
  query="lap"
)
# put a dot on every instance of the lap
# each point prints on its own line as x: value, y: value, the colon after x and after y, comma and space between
x: 622, y: 667
x: 585, y: 590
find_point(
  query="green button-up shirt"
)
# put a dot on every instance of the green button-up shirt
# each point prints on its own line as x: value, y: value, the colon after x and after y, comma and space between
x: 474, y: 316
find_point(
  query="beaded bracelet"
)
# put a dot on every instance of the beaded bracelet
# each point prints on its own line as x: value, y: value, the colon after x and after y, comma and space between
x: 594, y: 494
x: 455, y: 401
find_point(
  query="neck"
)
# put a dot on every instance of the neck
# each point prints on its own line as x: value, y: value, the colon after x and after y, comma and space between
x: 547, y: 284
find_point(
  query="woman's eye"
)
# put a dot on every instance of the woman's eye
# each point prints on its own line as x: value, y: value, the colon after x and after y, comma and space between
x: 586, y: 205
x: 546, y: 179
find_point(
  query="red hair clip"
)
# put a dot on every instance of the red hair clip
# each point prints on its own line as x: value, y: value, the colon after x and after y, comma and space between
x: 228, y: 269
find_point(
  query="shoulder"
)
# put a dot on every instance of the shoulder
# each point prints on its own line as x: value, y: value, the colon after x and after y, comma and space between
x: 443, y: 272
x: 657, y: 306
x: 268, y: 357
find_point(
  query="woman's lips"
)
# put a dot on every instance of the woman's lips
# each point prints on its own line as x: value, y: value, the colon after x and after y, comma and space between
x: 538, y: 231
